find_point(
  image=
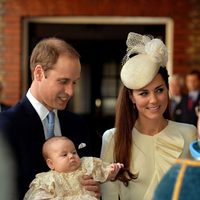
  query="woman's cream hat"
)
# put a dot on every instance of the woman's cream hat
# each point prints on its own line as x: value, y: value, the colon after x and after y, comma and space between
x: 139, y: 70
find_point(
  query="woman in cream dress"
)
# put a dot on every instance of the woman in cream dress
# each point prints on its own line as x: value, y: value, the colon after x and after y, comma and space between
x: 144, y: 139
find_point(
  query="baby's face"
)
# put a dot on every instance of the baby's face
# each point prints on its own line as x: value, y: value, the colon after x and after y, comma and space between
x: 64, y: 156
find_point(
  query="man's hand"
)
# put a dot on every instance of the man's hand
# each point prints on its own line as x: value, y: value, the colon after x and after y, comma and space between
x: 91, y: 185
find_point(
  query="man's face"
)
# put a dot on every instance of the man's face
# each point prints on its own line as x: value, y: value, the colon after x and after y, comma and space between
x: 192, y: 82
x: 175, y: 87
x: 56, y: 86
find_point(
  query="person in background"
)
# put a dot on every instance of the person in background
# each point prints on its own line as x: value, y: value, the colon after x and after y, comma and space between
x: 66, y: 168
x: 144, y: 139
x: 176, y: 91
x: 181, y: 182
x: 191, y: 99
x: 3, y: 106
x: 55, y: 68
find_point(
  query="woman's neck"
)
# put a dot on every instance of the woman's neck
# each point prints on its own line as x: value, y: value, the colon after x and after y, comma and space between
x: 150, y: 127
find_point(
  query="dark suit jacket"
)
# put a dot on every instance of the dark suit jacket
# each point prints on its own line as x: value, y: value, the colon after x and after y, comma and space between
x: 23, y: 128
x: 183, y: 114
x: 4, y: 107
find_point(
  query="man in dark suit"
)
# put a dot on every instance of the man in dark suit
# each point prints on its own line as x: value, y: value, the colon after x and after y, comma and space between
x: 176, y: 84
x: 55, y: 68
x: 3, y: 107
x: 190, y: 101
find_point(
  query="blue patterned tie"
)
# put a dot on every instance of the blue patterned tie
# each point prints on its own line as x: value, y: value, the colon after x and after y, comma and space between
x: 51, y: 122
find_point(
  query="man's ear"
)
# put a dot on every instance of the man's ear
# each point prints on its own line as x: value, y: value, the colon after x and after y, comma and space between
x: 50, y: 164
x: 38, y: 72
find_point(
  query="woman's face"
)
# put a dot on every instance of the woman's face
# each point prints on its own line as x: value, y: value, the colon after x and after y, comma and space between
x: 152, y: 100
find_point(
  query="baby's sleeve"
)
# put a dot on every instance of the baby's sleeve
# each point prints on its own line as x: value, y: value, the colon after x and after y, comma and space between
x: 97, y: 168
x: 41, y: 188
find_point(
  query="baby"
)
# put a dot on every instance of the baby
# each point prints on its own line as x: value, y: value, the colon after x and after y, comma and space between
x: 63, y: 180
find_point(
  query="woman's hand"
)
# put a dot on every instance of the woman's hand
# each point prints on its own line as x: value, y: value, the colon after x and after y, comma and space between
x: 91, y: 185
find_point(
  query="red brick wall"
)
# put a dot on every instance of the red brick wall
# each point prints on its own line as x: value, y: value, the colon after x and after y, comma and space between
x: 13, y: 11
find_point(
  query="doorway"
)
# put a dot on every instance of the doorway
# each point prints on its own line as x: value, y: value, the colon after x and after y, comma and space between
x: 101, y: 44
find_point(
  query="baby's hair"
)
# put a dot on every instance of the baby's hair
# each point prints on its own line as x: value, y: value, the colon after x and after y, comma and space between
x: 48, y: 142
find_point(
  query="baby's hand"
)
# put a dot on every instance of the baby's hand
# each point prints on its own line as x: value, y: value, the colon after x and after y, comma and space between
x: 114, y: 169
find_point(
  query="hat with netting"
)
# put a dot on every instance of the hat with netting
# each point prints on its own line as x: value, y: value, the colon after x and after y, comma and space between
x: 145, y: 55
